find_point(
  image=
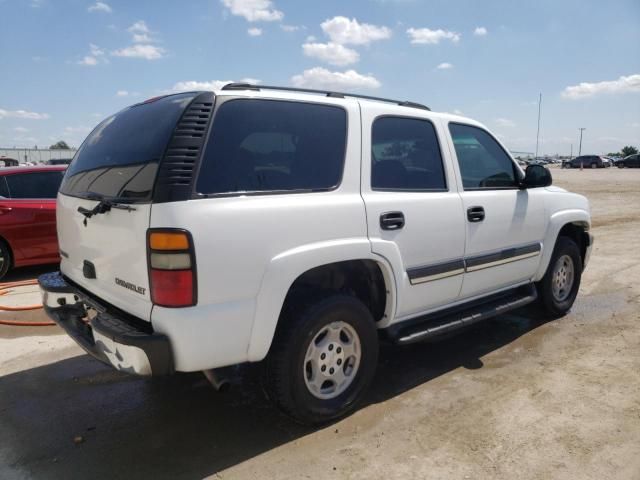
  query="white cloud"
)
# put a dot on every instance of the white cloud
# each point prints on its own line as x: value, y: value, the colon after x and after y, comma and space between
x: 140, y: 32
x: 444, y: 66
x: 480, y: 32
x: 100, y: 7
x: 139, y: 27
x: 254, y: 32
x: 148, y: 52
x: 332, y: 53
x: 431, y: 37
x: 311, y: 39
x: 349, y: 32
x: 95, y: 50
x: 505, y: 122
x: 96, y: 56
x: 322, y: 78
x: 88, y: 61
x: 141, y: 38
x: 623, y: 84
x: 22, y: 114
x: 635, y: 125
x: 194, y: 85
x: 290, y: 28
x: 77, y: 130
x: 122, y: 93
x: 21, y: 130
x: 254, y: 10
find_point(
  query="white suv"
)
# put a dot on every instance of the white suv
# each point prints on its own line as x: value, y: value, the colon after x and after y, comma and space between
x: 298, y: 227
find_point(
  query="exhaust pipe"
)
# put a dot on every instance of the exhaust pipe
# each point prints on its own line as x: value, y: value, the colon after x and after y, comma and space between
x: 219, y: 382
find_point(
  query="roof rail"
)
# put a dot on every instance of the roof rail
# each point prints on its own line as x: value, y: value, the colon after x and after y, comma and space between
x: 328, y: 93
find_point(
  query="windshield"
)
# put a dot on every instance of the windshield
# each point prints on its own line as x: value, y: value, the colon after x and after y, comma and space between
x: 119, y: 159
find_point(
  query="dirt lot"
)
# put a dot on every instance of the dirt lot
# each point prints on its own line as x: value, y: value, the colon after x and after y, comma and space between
x: 517, y: 397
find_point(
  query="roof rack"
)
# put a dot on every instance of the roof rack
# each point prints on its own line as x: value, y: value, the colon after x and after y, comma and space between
x: 257, y: 88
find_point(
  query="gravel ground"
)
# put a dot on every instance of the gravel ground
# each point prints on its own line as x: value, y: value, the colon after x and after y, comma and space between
x: 517, y: 397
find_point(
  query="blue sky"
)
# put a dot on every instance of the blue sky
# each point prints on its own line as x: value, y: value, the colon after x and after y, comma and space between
x: 69, y: 63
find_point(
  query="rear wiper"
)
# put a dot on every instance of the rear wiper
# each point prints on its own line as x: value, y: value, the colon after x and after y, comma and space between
x: 103, y: 206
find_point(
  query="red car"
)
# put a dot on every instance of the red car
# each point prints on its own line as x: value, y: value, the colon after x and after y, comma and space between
x: 28, y: 216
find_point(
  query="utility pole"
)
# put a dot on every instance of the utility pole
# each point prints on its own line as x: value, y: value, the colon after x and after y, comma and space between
x: 580, y: 147
x: 571, y: 154
x: 538, y: 132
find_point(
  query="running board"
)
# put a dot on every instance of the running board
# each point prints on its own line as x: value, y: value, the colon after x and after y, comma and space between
x: 439, y: 323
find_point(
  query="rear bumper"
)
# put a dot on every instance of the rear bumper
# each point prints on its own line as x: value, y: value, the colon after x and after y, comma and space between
x: 108, y: 336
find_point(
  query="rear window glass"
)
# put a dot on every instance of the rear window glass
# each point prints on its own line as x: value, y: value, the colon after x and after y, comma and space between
x: 269, y: 145
x: 34, y: 185
x: 119, y: 159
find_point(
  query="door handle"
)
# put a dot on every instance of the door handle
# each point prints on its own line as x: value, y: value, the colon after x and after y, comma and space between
x: 475, y: 214
x: 392, y: 221
x: 5, y: 209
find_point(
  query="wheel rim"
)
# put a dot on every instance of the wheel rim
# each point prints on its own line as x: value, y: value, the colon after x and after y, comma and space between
x: 332, y: 360
x: 563, y: 278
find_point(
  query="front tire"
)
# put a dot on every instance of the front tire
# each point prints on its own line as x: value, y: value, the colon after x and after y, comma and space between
x: 559, y: 287
x: 323, y: 359
x: 5, y: 259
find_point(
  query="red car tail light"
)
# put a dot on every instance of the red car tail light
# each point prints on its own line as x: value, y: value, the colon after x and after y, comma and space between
x: 172, y: 272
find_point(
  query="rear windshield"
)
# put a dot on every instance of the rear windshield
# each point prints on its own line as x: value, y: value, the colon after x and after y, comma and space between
x: 119, y: 159
x: 274, y: 146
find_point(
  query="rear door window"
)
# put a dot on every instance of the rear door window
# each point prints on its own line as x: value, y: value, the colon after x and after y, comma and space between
x: 34, y: 184
x: 273, y: 146
x: 405, y: 155
x: 483, y: 163
x: 119, y: 159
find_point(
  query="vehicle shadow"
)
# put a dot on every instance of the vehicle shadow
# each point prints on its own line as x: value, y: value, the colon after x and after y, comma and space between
x: 28, y: 273
x: 179, y: 427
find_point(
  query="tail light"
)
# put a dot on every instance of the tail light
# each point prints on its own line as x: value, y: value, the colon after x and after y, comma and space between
x: 172, y: 268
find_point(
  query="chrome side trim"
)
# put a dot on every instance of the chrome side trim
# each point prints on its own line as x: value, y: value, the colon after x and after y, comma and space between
x: 502, y: 261
x: 437, y: 276
x: 452, y: 268
x: 436, y: 271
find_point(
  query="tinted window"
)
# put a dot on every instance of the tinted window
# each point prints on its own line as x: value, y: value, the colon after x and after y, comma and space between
x: 405, y: 155
x: 267, y: 145
x: 4, y: 188
x: 120, y: 157
x: 34, y: 185
x: 483, y: 163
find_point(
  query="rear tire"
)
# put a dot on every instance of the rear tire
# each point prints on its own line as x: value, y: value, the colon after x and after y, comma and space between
x: 559, y: 287
x: 322, y: 360
x: 5, y: 259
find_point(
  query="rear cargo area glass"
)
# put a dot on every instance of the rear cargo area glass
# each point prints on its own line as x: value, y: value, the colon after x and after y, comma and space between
x: 268, y: 145
x: 119, y: 159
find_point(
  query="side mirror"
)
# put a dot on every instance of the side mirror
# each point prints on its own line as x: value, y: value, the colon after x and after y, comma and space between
x: 536, y: 176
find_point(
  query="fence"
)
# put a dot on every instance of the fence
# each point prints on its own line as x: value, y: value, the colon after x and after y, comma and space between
x: 35, y: 155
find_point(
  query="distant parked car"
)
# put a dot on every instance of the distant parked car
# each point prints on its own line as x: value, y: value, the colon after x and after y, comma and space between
x: 588, y: 161
x: 59, y: 161
x: 28, y: 216
x: 8, y: 162
x: 632, y: 161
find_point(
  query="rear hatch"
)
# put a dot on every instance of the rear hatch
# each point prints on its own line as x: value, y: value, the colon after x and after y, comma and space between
x: 105, y: 200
